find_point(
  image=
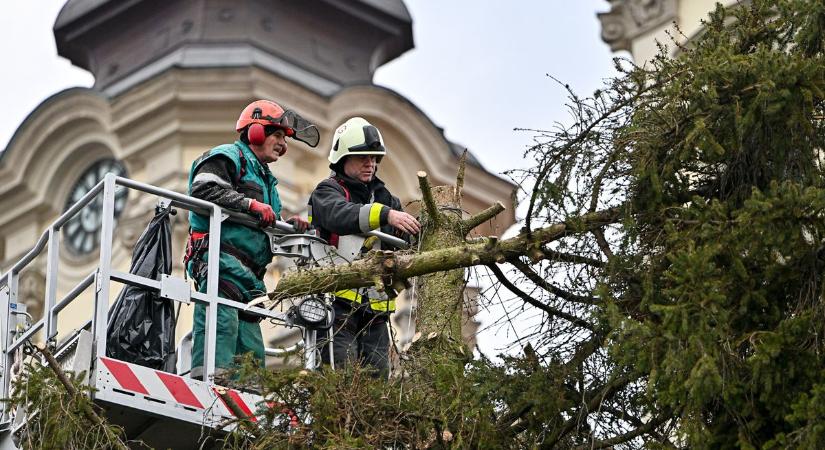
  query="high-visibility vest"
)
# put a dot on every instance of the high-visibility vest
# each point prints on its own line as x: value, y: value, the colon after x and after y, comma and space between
x: 378, y: 304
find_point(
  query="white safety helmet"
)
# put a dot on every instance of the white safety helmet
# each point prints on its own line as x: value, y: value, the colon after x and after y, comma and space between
x: 356, y: 136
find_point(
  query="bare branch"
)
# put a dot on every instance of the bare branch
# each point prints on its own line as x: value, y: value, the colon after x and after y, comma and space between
x: 603, y: 245
x: 511, y: 422
x: 636, y: 422
x: 542, y: 283
x: 362, y: 273
x: 459, y: 179
x: 585, y: 350
x: 630, y: 435
x: 230, y: 403
x: 597, y: 182
x: 427, y: 196
x: 554, y: 255
x: 546, y: 308
x: 599, y: 395
x: 483, y: 216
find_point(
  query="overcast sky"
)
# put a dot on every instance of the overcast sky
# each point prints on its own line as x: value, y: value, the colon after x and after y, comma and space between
x: 479, y: 67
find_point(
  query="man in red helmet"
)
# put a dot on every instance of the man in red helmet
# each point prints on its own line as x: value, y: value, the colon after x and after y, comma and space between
x: 237, y: 177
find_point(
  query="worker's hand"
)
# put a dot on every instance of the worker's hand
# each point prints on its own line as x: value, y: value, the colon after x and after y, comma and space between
x: 299, y: 223
x: 404, y: 222
x: 264, y: 212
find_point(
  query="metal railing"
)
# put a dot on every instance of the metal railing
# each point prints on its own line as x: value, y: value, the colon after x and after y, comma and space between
x: 104, y: 274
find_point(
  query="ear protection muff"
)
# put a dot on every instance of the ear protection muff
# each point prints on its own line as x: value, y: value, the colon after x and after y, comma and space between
x: 256, y: 134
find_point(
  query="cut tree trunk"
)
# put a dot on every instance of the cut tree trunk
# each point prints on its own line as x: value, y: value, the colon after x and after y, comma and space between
x: 440, y: 295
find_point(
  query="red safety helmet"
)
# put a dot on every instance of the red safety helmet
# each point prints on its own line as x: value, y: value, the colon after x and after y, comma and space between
x: 264, y: 113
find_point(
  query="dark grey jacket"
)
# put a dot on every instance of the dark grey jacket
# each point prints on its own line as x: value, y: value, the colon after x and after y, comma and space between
x: 331, y: 213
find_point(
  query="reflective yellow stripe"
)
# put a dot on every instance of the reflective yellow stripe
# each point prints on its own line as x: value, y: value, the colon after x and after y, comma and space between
x: 349, y: 295
x: 375, y: 215
x: 375, y: 305
x: 309, y: 219
x: 383, y: 305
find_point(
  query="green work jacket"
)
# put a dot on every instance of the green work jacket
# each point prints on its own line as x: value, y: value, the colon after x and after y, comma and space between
x: 253, y: 180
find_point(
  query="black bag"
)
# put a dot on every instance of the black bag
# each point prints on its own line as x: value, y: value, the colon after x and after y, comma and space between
x: 141, y: 324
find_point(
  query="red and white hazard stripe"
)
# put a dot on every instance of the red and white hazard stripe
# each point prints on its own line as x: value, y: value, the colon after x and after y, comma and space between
x: 172, y: 389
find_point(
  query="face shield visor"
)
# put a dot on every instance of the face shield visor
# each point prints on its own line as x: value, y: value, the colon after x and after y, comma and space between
x: 296, y: 127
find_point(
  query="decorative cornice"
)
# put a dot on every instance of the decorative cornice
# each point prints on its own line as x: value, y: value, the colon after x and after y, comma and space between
x: 329, y: 43
x: 196, y: 56
x: 629, y: 19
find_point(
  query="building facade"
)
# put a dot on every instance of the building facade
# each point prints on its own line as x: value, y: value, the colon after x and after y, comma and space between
x: 170, y: 81
x: 636, y: 26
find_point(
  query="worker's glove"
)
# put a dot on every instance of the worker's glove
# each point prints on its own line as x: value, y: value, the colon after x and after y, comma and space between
x: 299, y: 223
x: 264, y: 212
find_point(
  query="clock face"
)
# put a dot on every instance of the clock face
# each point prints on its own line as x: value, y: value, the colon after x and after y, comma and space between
x: 82, y: 233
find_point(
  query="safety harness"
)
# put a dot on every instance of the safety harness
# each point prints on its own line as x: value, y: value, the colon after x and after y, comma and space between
x: 198, y: 244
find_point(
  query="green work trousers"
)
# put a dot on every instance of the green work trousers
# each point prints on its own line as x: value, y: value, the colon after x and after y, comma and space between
x: 234, y: 337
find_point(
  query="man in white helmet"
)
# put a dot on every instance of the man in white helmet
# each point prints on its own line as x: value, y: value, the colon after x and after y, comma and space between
x: 352, y: 201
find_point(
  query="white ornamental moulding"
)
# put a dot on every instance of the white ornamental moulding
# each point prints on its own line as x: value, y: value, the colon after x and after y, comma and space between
x: 629, y: 19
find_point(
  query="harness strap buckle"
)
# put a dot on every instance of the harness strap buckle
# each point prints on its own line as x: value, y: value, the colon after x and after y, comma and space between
x: 195, y: 245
